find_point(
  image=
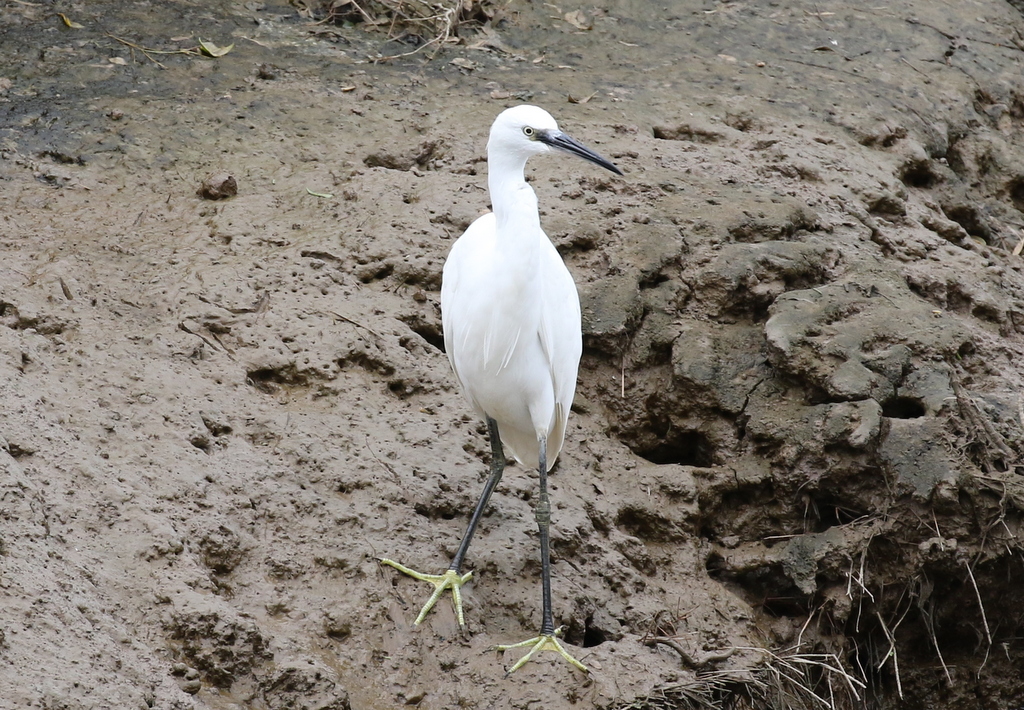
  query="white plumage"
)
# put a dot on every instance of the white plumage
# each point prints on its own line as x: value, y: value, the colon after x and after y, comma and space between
x: 510, y: 309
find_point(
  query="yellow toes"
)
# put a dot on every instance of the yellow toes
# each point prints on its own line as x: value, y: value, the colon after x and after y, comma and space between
x: 538, y: 644
x: 449, y: 580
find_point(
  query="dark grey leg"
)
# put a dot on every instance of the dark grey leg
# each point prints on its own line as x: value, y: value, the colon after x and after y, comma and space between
x: 497, y: 468
x: 548, y: 638
x: 542, y: 513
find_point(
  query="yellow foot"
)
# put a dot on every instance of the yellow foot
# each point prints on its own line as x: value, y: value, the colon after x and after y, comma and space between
x: 539, y: 643
x: 449, y: 580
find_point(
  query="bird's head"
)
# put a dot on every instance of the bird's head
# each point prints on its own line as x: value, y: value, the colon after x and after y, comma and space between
x: 522, y: 131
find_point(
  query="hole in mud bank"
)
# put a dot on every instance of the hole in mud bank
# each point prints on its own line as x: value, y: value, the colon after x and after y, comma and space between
x: 375, y: 272
x: 919, y: 174
x: 1016, y: 190
x: 19, y: 451
x: 750, y: 310
x: 428, y: 330
x: 903, y: 408
x: 985, y: 311
x: 971, y: 219
x: 831, y: 514
x: 593, y: 636
x: 589, y: 636
x: 752, y: 511
x: 437, y: 509
x: 766, y: 586
x: 647, y: 525
x: 403, y: 388
x: 787, y: 606
x: 581, y: 242
x: 269, y: 380
x: 687, y: 448
x: 957, y: 301
x: 653, y: 281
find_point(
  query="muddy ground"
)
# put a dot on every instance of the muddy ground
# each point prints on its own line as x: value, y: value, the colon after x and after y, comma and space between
x: 793, y: 472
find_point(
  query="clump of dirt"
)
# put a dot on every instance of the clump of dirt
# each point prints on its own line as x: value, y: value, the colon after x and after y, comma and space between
x: 792, y: 476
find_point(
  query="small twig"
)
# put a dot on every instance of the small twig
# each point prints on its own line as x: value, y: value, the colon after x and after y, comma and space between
x: 1020, y: 246
x: 68, y: 293
x: 977, y: 593
x: 259, y: 306
x: 687, y: 658
x: 891, y: 652
x: 915, y: 21
x: 902, y: 59
x: 860, y: 577
x: 387, y: 468
x: 800, y: 636
x: 182, y: 326
x: 139, y: 47
x: 147, y: 52
x: 355, y: 323
x: 929, y: 624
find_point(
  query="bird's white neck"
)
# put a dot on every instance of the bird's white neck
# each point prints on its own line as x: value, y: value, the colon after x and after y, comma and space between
x: 514, y: 202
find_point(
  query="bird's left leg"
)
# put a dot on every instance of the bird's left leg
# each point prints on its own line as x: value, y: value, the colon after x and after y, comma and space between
x: 453, y: 578
x: 548, y: 638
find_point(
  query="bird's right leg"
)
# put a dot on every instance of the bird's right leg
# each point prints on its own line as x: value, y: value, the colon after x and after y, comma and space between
x: 453, y: 578
x: 548, y: 637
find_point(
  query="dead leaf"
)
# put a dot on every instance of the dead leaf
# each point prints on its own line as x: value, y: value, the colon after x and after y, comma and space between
x: 463, y: 63
x: 578, y: 20
x: 488, y: 39
x: 346, y: 89
x: 540, y: 59
x: 1020, y: 246
x: 212, y: 50
x: 727, y: 57
x: 117, y: 60
x: 501, y: 94
x: 585, y: 99
x: 69, y: 23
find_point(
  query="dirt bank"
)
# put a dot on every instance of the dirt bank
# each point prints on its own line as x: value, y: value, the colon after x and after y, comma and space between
x: 793, y: 472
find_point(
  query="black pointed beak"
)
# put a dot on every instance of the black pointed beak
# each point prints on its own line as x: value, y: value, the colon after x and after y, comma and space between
x: 568, y: 144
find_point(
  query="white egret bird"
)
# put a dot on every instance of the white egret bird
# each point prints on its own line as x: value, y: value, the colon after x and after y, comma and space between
x: 512, y: 331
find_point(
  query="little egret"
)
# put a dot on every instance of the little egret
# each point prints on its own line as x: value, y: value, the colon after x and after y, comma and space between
x: 511, y: 318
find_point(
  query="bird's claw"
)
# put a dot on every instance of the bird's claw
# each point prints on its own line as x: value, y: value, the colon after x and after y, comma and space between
x: 449, y: 580
x: 540, y: 643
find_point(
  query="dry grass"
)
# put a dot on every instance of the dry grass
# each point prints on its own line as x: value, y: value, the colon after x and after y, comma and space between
x: 785, y: 680
x: 422, y: 23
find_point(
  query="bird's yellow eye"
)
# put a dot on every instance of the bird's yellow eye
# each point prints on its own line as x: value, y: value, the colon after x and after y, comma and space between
x: 528, y: 131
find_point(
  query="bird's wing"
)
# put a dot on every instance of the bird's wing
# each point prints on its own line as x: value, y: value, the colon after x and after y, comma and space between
x: 561, y: 339
x: 466, y: 334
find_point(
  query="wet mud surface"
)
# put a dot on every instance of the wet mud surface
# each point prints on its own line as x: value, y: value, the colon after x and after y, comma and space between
x: 792, y: 476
